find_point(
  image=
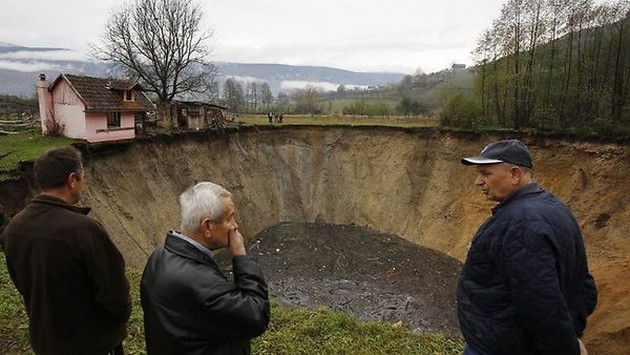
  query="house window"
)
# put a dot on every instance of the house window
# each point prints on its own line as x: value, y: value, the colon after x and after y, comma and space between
x: 113, y: 119
x: 129, y: 95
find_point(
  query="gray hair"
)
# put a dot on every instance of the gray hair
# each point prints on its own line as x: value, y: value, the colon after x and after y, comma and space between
x: 204, y: 200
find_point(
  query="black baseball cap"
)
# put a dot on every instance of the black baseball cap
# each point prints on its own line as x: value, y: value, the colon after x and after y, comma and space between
x: 511, y: 151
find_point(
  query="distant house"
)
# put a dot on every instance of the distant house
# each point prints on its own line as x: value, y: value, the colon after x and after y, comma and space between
x: 94, y: 109
x: 458, y: 67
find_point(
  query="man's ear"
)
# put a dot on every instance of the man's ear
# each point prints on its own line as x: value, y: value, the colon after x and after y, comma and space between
x: 71, y: 180
x: 517, y: 174
x: 206, y: 226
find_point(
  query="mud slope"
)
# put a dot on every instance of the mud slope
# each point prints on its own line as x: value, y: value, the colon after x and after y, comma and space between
x: 404, y: 182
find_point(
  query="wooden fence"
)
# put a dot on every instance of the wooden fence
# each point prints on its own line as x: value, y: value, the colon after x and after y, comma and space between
x: 18, y: 124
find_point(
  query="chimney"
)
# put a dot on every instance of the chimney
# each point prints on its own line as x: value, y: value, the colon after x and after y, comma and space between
x: 44, y: 97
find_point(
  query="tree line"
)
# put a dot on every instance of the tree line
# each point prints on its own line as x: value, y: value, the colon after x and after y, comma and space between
x: 551, y: 64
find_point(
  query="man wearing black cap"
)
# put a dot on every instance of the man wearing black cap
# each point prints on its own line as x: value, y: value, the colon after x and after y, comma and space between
x: 525, y: 287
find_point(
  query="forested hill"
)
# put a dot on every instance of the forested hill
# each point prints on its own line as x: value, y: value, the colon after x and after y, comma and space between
x: 556, y: 66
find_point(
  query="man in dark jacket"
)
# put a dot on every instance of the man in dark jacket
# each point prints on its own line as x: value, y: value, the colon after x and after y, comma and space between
x: 189, y: 306
x: 70, y: 274
x: 525, y: 287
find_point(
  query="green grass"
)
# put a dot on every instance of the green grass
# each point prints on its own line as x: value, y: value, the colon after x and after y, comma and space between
x: 13, y: 319
x: 337, y: 105
x: 301, y: 331
x: 292, y: 330
x: 25, y: 147
x: 340, y: 120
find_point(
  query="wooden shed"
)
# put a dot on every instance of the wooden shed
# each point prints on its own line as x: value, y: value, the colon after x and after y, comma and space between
x: 197, y: 115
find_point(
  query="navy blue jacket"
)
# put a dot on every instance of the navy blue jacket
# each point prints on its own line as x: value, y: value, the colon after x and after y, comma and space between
x: 525, y: 287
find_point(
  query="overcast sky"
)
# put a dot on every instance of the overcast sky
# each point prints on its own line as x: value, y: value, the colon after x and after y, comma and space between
x: 360, y: 35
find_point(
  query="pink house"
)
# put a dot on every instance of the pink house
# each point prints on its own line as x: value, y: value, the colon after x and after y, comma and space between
x: 94, y: 109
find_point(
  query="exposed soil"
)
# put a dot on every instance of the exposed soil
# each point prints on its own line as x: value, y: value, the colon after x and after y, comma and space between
x: 402, y: 182
x: 371, y: 275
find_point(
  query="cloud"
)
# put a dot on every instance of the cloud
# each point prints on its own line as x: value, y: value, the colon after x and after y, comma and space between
x: 29, y: 67
x: 243, y: 80
x: 56, y: 55
x: 319, y: 85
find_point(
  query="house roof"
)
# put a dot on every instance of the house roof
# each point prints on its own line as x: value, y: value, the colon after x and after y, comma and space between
x: 101, y: 94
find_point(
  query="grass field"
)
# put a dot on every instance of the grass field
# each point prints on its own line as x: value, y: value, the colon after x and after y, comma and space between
x: 340, y: 120
x: 336, y: 106
x: 292, y: 331
x: 25, y: 147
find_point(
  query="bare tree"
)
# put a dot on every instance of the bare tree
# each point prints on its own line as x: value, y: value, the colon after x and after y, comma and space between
x: 482, y: 55
x: 622, y: 12
x: 267, y: 95
x: 162, y: 44
x: 556, y: 9
x: 307, y: 99
x: 341, y: 91
x: 252, y: 95
x: 233, y: 95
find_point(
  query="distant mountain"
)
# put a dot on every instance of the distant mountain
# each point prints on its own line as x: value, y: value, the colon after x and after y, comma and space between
x: 8, y: 48
x: 20, y: 67
x: 284, y: 77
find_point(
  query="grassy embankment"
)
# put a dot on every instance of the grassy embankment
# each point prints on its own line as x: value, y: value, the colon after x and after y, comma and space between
x: 292, y: 331
x: 25, y: 147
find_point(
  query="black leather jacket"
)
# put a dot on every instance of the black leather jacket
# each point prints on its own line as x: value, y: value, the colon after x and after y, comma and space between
x: 190, y: 307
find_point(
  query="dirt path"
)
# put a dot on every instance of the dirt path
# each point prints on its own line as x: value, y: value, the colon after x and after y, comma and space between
x: 371, y: 275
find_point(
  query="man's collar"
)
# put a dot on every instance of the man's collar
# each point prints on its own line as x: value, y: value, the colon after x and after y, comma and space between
x: 532, y: 187
x: 56, y: 201
x: 195, y: 243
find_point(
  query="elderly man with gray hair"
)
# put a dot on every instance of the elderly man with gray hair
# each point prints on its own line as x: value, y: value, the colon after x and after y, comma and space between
x: 190, y: 306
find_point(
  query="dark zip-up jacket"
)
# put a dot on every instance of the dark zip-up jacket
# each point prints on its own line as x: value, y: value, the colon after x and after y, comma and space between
x: 71, y: 276
x: 190, y: 307
x: 525, y: 287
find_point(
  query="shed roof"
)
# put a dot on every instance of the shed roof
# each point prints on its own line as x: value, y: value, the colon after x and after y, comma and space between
x: 198, y: 103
